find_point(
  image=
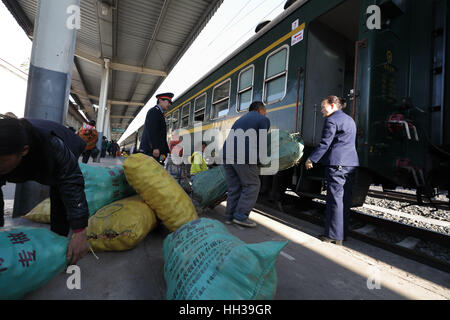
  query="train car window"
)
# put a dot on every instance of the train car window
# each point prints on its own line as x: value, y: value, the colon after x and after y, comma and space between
x: 275, y: 78
x: 175, y: 120
x: 199, y: 108
x: 245, y: 88
x: 185, y: 115
x: 221, y: 99
x: 168, y: 121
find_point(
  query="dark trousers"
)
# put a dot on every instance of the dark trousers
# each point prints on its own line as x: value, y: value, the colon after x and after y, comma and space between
x: 150, y: 154
x: 2, y: 209
x: 88, y: 153
x: 58, y: 214
x: 243, y: 188
x: 339, y: 198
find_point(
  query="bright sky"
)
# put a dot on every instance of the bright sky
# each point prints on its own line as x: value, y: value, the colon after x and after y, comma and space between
x: 232, y: 25
x: 15, y: 50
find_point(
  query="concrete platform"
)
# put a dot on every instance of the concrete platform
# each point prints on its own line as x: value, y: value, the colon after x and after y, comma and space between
x: 307, y: 268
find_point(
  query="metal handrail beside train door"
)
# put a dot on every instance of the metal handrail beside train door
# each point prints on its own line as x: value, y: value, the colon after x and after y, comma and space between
x: 358, y: 44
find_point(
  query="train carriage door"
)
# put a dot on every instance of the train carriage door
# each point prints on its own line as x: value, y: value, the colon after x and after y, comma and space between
x: 329, y: 65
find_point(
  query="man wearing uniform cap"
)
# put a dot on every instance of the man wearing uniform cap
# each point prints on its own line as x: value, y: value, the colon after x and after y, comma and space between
x: 154, y: 136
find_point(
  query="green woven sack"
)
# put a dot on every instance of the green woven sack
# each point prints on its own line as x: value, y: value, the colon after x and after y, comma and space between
x: 204, y: 261
x: 104, y: 185
x: 209, y: 186
x: 290, y: 149
x: 29, y: 258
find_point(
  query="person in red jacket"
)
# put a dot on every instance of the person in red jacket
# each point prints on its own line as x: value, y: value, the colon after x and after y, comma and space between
x: 90, y: 135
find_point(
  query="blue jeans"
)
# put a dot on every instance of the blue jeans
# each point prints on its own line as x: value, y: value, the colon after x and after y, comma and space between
x: 243, y: 189
x: 339, y: 198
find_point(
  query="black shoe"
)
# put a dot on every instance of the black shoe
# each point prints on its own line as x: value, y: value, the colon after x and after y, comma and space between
x: 245, y: 223
x: 329, y: 240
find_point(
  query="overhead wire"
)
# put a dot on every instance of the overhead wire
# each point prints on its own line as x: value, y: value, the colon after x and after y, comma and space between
x: 241, y: 11
x: 226, y: 51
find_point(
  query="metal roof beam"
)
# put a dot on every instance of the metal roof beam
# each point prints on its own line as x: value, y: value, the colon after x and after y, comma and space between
x: 121, y: 117
x: 118, y: 102
x: 142, y: 70
x: 120, y: 66
x: 105, y: 25
x: 114, y: 102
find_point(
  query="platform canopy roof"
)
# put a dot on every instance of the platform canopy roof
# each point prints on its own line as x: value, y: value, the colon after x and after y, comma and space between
x: 144, y: 39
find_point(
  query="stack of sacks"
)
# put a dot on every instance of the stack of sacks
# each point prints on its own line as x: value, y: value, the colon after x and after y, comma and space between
x: 29, y: 258
x: 120, y: 225
x: 159, y: 190
x: 103, y: 185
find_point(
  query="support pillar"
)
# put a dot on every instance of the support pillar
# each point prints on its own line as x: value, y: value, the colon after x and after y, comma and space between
x: 49, y: 79
x: 107, y: 122
x: 103, y: 100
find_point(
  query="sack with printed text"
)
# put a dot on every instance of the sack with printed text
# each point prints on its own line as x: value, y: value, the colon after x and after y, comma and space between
x: 209, y: 186
x: 29, y: 258
x: 204, y: 261
x: 102, y: 185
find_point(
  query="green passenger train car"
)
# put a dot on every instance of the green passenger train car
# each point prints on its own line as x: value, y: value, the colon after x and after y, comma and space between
x: 390, y: 66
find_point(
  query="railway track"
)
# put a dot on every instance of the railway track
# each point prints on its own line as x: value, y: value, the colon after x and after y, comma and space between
x: 425, y: 246
x: 409, y: 198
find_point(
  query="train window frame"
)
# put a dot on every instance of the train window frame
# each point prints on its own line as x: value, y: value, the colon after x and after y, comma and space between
x: 168, y: 120
x: 238, y: 109
x: 218, y: 101
x: 178, y: 120
x: 189, y: 104
x: 276, y: 76
x: 205, y: 95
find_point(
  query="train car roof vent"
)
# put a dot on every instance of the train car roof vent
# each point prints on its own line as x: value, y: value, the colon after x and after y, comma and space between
x: 261, y: 25
x: 288, y: 4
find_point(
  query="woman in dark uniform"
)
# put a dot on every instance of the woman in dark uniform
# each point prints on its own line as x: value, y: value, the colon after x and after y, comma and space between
x: 337, y: 152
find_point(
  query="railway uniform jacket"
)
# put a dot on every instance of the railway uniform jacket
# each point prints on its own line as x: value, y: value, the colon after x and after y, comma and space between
x: 337, y: 147
x: 155, y: 133
x: 53, y: 161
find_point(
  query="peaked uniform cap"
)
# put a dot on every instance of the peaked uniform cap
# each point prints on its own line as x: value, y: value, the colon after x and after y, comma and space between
x: 167, y: 96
